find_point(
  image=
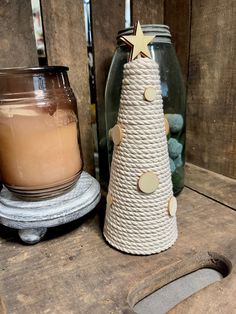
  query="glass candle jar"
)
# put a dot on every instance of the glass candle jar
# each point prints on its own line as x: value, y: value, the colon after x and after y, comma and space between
x: 39, y: 149
x: 173, y: 94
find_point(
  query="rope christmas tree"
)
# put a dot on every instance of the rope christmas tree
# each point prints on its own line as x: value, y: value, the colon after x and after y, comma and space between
x: 141, y: 208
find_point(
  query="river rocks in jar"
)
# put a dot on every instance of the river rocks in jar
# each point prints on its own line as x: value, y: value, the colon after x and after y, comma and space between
x: 178, y: 161
x: 176, y: 122
x: 174, y: 147
x: 172, y: 165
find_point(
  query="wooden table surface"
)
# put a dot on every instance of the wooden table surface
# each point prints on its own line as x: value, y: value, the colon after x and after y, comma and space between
x: 74, y: 271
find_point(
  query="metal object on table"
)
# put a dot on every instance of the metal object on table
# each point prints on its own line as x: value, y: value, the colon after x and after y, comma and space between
x: 33, y: 218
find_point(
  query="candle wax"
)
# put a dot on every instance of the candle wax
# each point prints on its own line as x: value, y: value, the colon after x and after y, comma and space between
x: 38, y: 149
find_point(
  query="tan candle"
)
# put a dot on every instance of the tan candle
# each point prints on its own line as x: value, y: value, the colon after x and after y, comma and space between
x: 38, y: 149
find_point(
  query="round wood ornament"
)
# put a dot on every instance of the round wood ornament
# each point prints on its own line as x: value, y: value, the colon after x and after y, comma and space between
x: 167, y: 127
x: 109, y: 200
x: 172, y: 206
x: 150, y: 93
x: 117, y: 135
x: 148, y: 182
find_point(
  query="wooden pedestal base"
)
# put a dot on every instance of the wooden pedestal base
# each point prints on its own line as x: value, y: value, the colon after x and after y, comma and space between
x: 33, y: 218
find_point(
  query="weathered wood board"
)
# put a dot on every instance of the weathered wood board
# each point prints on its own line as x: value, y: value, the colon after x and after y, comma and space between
x: 17, y: 40
x: 108, y: 17
x: 79, y: 273
x: 211, y: 114
x: 220, y: 188
x: 64, y: 30
x: 147, y: 11
x: 180, y: 30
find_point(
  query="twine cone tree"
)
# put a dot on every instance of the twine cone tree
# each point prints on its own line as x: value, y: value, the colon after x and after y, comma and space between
x: 141, y: 209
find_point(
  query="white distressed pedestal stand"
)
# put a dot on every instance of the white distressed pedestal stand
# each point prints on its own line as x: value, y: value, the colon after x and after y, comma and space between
x: 33, y: 218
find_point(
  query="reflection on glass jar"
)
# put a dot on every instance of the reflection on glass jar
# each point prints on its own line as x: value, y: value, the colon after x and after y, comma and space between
x: 173, y: 94
x: 39, y: 150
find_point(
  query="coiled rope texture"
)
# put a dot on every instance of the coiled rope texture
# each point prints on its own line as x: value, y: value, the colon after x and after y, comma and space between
x: 136, y: 222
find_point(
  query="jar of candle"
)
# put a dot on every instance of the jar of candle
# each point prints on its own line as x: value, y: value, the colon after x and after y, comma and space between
x: 173, y: 94
x: 39, y: 143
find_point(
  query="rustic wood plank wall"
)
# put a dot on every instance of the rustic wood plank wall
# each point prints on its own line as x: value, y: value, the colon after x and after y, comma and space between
x: 205, y: 44
x: 180, y: 30
x: 108, y: 17
x: 211, y: 114
x: 66, y: 45
x: 168, y: 12
x: 147, y: 11
x: 17, y: 41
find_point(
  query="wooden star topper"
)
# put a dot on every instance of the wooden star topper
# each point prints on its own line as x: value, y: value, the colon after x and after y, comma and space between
x: 138, y: 43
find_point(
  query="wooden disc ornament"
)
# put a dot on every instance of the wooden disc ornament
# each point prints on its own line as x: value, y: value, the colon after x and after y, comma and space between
x: 167, y: 127
x: 116, y: 134
x: 142, y: 220
x: 150, y: 93
x: 109, y: 200
x: 172, y: 206
x: 148, y: 182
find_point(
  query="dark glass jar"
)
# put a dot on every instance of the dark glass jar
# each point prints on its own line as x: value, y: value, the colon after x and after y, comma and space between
x: 39, y: 149
x: 173, y: 94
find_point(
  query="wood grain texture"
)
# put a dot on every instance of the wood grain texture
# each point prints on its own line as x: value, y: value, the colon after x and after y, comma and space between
x: 3, y: 309
x: 211, y: 184
x: 147, y: 11
x: 180, y: 30
x: 17, y: 40
x: 66, y: 45
x: 108, y: 17
x: 79, y: 273
x: 211, y: 114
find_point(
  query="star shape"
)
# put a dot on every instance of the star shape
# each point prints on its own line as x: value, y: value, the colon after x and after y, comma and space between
x: 138, y: 43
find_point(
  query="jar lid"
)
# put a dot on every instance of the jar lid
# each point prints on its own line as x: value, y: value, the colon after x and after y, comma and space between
x: 161, y: 32
x: 21, y: 70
